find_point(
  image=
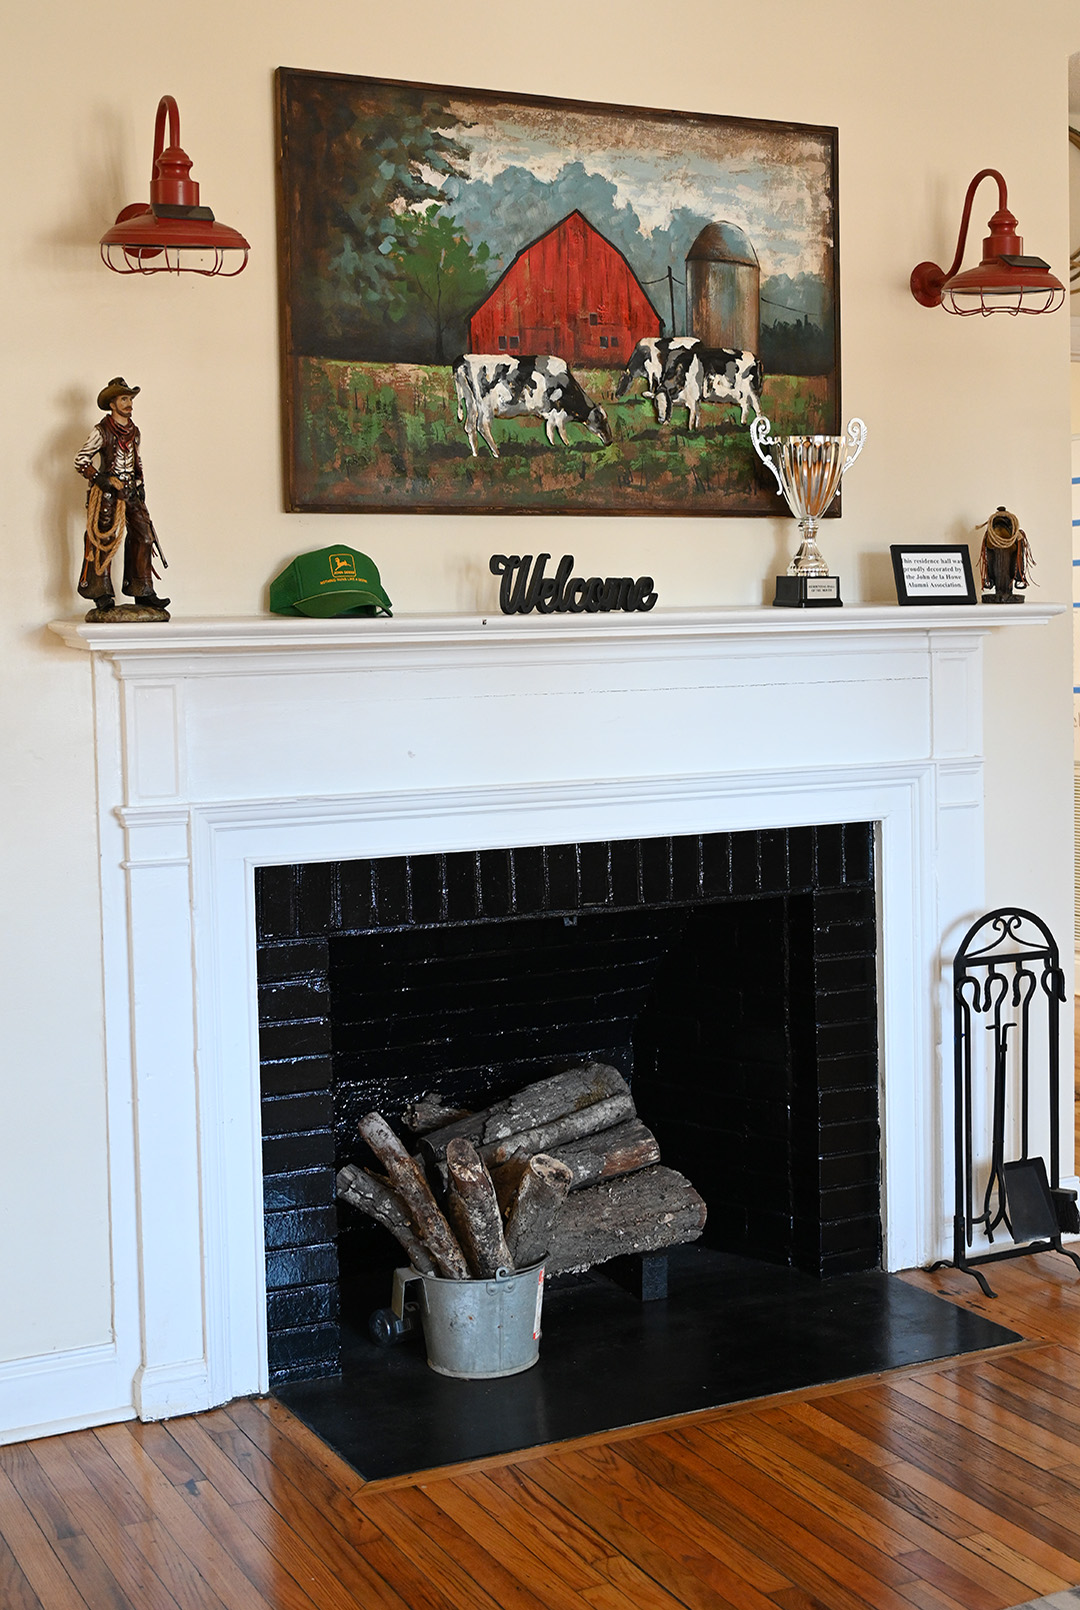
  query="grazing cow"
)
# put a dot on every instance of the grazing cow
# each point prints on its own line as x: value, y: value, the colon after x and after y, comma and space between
x: 649, y: 360
x: 492, y: 387
x: 709, y: 374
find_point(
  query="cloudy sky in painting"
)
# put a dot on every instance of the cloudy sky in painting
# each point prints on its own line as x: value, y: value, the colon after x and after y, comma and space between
x: 771, y: 181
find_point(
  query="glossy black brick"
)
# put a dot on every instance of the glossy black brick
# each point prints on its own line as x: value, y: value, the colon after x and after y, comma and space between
x: 297, y: 998
x: 773, y: 861
x: 275, y: 902
x: 858, y: 852
x: 626, y: 872
x: 595, y: 874
x: 745, y: 864
x: 853, y: 1104
x: 656, y: 871
x: 462, y: 888
x: 290, y: 959
x: 844, y: 905
x: 853, y: 1263
x: 828, y: 856
x: 301, y: 1266
x: 311, y: 1346
x: 527, y: 866
x: 285, y: 1154
x: 316, y: 898
x: 563, y: 885
x: 840, y: 1073
x: 427, y: 887
x: 860, y: 1136
x: 847, y: 1039
x: 835, y: 974
x: 298, y: 1188
x: 296, y: 1074
x: 686, y: 871
x: 299, y: 1306
x: 300, y: 1227
x: 279, y: 1042
x: 356, y: 895
x: 853, y: 1168
x: 716, y: 864
x: 391, y: 879
x: 800, y: 853
x: 841, y: 937
x: 496, y: 886
x: 288, y: 1115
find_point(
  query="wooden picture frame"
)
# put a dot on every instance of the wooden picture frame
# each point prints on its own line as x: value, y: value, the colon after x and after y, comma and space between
x: 419, y: 222
x: 933, y: 573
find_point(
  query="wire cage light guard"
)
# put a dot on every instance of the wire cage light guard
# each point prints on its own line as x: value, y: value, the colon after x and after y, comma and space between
x: 1006, y: 978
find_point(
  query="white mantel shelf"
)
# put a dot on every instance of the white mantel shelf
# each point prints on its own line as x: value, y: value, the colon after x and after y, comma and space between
x: 243, y: 633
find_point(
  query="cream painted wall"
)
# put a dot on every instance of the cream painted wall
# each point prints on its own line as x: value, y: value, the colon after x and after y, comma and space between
x: 962, y: 415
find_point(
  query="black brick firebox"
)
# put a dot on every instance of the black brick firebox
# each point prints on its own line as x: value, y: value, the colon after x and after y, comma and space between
x: 731, y: 978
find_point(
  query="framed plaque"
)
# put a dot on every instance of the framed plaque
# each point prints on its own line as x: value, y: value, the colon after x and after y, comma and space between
x: 933, y: 573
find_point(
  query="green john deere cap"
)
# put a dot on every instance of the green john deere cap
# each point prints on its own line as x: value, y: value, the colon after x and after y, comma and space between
x: 331, y: 581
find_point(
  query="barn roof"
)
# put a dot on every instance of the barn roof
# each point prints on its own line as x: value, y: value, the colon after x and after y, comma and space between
x: 562, y: 223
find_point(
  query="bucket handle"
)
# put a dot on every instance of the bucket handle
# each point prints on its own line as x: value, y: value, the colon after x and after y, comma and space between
x: 402, y: 1278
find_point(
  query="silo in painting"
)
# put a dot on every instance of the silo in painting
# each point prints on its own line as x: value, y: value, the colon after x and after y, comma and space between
x: 723, y: 281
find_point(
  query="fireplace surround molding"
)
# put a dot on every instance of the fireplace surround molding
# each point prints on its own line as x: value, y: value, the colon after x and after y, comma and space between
x: 227, y: 744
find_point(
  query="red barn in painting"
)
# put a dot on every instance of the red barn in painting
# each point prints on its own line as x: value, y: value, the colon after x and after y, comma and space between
x: 571, y: 293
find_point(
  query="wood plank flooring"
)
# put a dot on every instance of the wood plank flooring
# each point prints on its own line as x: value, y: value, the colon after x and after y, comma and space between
x: 952, y: 1487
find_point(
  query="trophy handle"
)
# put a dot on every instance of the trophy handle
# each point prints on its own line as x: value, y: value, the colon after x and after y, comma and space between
x: 856, y: 434
x: 759, y: 435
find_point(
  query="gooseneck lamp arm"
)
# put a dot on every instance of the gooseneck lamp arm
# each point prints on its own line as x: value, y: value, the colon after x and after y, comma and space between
x: 1004, y: 282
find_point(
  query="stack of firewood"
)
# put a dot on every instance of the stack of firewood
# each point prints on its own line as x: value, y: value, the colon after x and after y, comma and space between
x: 563, y: 1170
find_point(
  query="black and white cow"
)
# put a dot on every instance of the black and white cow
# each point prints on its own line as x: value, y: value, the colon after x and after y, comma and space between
x: 493, y: 387
x: 709, y: 374
x: 649, y: 360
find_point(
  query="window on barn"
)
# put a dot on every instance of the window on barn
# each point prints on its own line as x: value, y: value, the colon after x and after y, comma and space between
x: 603, y: 341
x: 594, y: 318
x: 515, y: 341
x: 502, y: 343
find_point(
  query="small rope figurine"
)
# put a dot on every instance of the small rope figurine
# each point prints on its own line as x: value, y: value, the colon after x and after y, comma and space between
x: 1005, y: 559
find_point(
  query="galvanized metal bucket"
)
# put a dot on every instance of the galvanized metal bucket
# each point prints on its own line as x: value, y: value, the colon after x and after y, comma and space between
x: 476, y: 1330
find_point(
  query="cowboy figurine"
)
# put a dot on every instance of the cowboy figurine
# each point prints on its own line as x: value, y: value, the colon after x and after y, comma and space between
x: 1005, y: 559
x: 116, y: 513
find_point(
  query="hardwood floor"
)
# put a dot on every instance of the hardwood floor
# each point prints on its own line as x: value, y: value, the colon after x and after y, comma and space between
x: 952, y: 1487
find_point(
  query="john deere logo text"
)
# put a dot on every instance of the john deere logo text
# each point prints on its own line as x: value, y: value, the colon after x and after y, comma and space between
x: 343, y: 567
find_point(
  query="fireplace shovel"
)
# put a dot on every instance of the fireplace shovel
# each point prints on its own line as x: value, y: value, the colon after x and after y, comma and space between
x: 476, y: 1330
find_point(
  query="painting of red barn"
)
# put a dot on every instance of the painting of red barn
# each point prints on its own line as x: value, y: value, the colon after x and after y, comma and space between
x: 497, y: 302
x: 571, y: 292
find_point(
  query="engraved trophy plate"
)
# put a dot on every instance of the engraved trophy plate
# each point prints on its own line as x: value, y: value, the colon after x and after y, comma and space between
x: 808, y: 471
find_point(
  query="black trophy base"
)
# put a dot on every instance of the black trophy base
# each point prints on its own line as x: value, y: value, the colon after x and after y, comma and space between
x: 808, y: 592
x: 1003, y: 598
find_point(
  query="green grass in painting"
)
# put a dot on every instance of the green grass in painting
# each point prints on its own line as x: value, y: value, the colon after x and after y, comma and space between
x: 387, y: 435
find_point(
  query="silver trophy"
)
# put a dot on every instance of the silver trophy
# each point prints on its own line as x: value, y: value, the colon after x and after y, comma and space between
x: 807, y: 471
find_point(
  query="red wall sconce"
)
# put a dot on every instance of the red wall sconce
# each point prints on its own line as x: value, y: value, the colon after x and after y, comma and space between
x: 174, y: 234
x: 1005, y: 281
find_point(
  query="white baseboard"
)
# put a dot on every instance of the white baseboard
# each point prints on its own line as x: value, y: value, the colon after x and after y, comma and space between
x: 167, y: 1389
x: 53, y: 1392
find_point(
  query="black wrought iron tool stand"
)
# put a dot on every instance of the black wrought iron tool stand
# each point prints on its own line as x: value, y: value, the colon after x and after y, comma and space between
x: 1005, y: 972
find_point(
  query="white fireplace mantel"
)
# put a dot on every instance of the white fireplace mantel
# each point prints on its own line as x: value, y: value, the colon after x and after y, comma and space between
x: 225, y: 744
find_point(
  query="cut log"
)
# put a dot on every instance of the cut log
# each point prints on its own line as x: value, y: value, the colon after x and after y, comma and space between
x: 429, y: 1112
x: 535, y: 1207
x: 531, y: 1108
x: 642, y: 1212
x: 608, y: 1153
x: 407, y: 1179
x: 571, y: 1126
x: 379, y: 1202
x: 474, y: 1211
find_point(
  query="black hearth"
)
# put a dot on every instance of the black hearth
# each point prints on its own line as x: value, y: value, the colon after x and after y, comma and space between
x: 730, y: 977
